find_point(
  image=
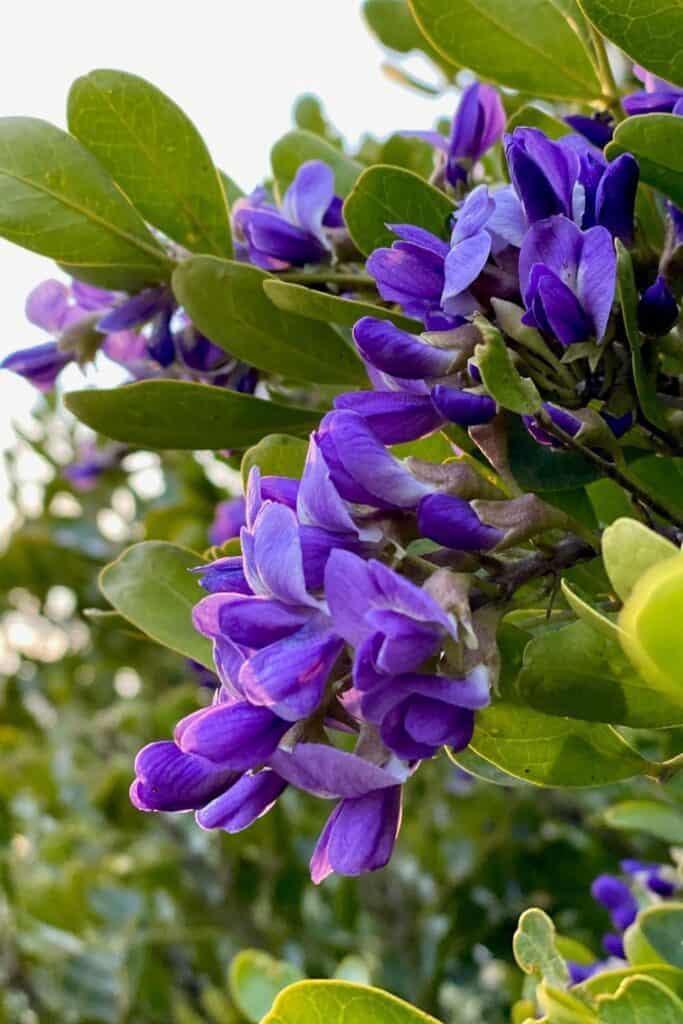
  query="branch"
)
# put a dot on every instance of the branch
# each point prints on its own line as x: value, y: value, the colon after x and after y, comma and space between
x: 544, y: 563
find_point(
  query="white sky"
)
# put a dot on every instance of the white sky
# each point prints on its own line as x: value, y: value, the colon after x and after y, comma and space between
x: 235, y: 66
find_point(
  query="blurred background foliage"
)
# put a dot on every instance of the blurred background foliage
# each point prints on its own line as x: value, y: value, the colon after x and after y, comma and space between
x: 109, y: 915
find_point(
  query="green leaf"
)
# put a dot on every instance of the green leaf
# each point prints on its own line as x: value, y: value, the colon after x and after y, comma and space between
x: 389, y: 195
x: 538, y: 468
x: 178, y: 414
x: 644, y: 377
x: 654, y: 818
x: 227, y: 303
x: 609, y: 981
x: 529, y: 116
x: 629, y: 549
x: 411, y: 154
x: 534, y: 948
x: 341, y: 1002
x: 503, y: 382
x: 535, y: 47
x: 231, y: 189
x: 662, y: 927
x: 154, y: 152
x: 275, y: 455
x: 656, y: 141
x: 550, y: 751
x: 56, y: 200
x: 639, y: 1000
x: 588, y: 614
x: 396, y: 28
x: 563, y: 1007
x: 295, y: 148
x: 151, y: 586
x: 306, y: 302
x: 661, y: 476
x: 580, y: 673
x: 651, y: 626
x: 255, y: 979
x: 649, y: 31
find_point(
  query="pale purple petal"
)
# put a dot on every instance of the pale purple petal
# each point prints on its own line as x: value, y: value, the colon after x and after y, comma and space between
x: 46, y: 305
x: 464, y: 263
x: 329, y: 773
x: 596, y: 281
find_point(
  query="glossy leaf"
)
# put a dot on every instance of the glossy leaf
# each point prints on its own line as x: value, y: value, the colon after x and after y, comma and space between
x: 534, y: 948
x: 641, y: 999
x: 656, y: 141
x: 535, y: 47
x: 57, y: 200
x: 179, y: 414
x: 227, y: 303
x: 341, y: 1002
x: 151, y: 585
x: 536, y: 467
x: 503, y: 381
x: 390, y: 195
x: 255, y: 979
x: 276, y: 455
x: 551, y: 751
x: 395, y: 27
x: 652, y: 817
x: 563, y: 1007
x: 410, y: 154
x: 588, y: 614
x: 649, y: 31
x: 610, y: 981
x: 154, y: 152
x: 662, y: 927
x: 629, y: 549
x: 578, y: 672
x: 651, y: 625
x: 295, y: 148
x: 314, y: 305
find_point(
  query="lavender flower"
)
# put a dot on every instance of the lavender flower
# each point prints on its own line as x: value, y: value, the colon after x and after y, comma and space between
x: 568, y: 279
x: 229, y: 518
x: 295, y: 234
x: 478, y: 124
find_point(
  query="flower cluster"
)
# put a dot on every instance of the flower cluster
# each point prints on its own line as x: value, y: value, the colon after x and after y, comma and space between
x: 337, y: 673
x: 639, y: 885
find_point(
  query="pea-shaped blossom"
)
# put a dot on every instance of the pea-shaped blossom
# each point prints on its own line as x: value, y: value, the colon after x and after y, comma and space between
x: 572, y: 177
x: 294, y: 234
x: 568, y: 278
x: 395, y: 628
x: 477, y: 125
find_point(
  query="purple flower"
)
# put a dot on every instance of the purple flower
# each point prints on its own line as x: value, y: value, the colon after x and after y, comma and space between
x: 228, y: 520
x: 359, y: 835
x: 91, y: 462
x: 561, y: 417
x: 452, y: 522
x: 361, y: 468
x: 243, y: 803
x: 658, y: 96
x: 597, y: 129
x: 571, y: 177
x: 394, y: 416
x: 617, y: 898
x: 411, y: 272
x: 40, y: 365
x: 466, y: 408
x: 568, y: 279
x: 166, y: 779
x: 394, y: 351
x: 294, y: 234
x: 657, y: 309
x: 478, y: 124
x: 652, y: 876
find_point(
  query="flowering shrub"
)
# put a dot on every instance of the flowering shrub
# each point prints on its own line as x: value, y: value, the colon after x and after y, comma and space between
x: 453, y: 389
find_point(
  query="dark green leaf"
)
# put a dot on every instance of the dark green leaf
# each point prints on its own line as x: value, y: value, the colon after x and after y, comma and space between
x: 649, y: 31
x: 295, y: 148
x: 389, y: 195
x: 536, y: 47
x: 303, y: 301
x: 154, y: 152
x: 550, y: 751
x: 151, y: 585
x: 231, y: 189
x: 179, y: 414
x: 226, y: 301
x: 580, y: 673
x: 644, y: 377
x: 538, y: 468
x: 56, y: 199
x: 656, y: 141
